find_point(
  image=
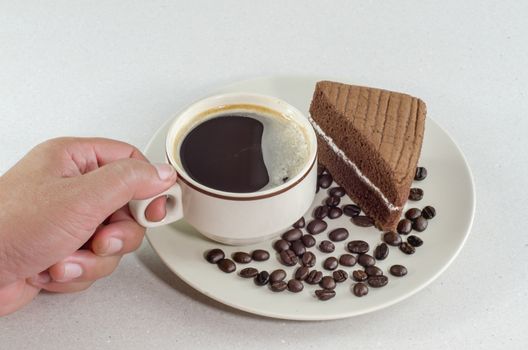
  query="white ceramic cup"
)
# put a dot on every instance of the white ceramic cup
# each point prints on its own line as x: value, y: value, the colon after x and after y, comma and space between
x: 228, y: 217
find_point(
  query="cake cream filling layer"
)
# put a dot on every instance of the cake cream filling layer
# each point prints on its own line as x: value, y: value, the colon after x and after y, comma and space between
x: 330, y: 142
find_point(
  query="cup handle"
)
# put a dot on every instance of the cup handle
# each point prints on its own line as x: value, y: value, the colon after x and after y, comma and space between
x: 173, y: 207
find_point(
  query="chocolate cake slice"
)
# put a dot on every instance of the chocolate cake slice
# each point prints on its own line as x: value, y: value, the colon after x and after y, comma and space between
x: 370, y: 141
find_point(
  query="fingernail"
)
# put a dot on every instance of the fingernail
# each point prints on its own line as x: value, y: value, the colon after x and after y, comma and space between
x: 165, y: 171
x: 113, y: 246
x: 71, y: 271
x: 42, y: 278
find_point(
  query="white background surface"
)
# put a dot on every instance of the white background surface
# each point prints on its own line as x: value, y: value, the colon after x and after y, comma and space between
x: 120, y: 68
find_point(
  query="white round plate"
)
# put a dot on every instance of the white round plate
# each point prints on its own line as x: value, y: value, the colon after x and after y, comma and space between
x: 448, y: 187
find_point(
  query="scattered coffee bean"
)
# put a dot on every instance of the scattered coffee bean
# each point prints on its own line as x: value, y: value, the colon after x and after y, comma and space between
x: 413, y: 213
x: 277, y: 275
x: 301, y: 273
x: 320, y: 169
x: 325, y: 180
x: 281, y: 245
x: 429, y: 212
x: 226, y: 265
x: 363, y: 221
x: 366, y: 260
x: 295, y: 286
x: 314, y: 277
x: 378, y: 281
x: 288, y: 257
x: 292, y: 235
x: 260, y: 255
x: 248, y: 272
x: 262, y: 278
x: 337, y: 191
x: 325, y: 294
x: 316, y: 226
x: 241, y: 257
x: 317, y: 188
x: 416, y: 194
x: 327, y: 282
x: 326, y: 246
x: 308, y: 259
x: 321, y: 212
x: 373, y: 271
x: 359, y: 276
x: 392, y: 238
x: 299, y: 223
x: 414, y: 241
x: 308, y: 241
x: 338, y: 235
x: 398, y: 270
x: 381, y: 252
x: 421, y: 173
x: 298, y: 248
x: 351, y: 210
x: 420, y: 224
x: 335, y: 212
x: 404, y: 226
x: 340, y: 276
x: 278, y: 286
x: 358, y: 247
x: 347, y: 260
x: 330, y: 263
x: 360, y: 289
x: 407, y: 248
x: 333, y: 201
x: 215, y: 255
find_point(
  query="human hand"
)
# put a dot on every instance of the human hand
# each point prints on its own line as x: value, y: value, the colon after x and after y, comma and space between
x: 64, y: 195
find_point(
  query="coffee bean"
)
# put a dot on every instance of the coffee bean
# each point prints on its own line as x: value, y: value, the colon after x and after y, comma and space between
x: 337, y: 191
x: 308, y: 259
x: 281, y: 245
x: 260, y: 255
x: 321, y: 212
x: 308, y: 241
x: 360, y: 289
x: 421, y: 173
x: 330, y: 263
x: 429, y: 212
x: 241, y: 257
x: 392, y: 238
x: 314, y: 277
x: 407, y: 248
x: 340, y: 276
x: 358, y: 247
x: 320, y: 169
x: 299, y: 223
x: 317, y: 188
x: 277, y: 275
x: 335, y: 212
x: 298, y: 248
x: 248, y: 272
x: 327, y: 282
x: 347, y: 260
x: 381, y: 252
x: 351, y: 210
x: 326, y: 246
x: 416, y: 194
x: 288, y: 257
x: 295, y: 286
x: 333, y: 201
x: 338, y: 235
x: 359, y: 275
x: 214, y: 255
x: 292, y: 235
x: 413, y: 213
x: 378, y: 281
x: 278, y: 286
x: 262, y: 278
x: 325, y: 294
x: 316, y: 226
x: 366, y: 260
x: 363, y: 221
x: 325, y: 180
x: 420, y: 224
x: 414, y: 241
x: 226, y: 265
x: 373, y: 271
x: 404, y: 226
x: 398, y: 270
x: 301, y: 273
